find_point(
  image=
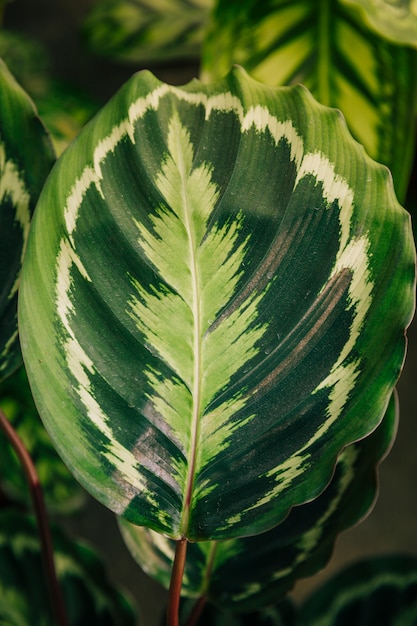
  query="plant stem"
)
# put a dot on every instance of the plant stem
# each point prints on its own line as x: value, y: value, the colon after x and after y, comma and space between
x: 176, y: 583
x: 41, y: 518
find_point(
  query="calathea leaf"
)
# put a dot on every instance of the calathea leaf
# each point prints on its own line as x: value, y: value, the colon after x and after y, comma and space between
x: 328, y: 49
x: 26, y: 156
x: 242, y: 575
x: 223, y: 279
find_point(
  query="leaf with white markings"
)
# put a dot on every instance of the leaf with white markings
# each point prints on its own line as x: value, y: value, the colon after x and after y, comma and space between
x: 246, y: 574
x: 26, y: 156
x: 213, y: 264
x: 328, y: 49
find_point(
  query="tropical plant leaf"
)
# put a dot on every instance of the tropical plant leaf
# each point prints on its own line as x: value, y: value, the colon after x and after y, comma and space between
x: 135, y: 31
x: 223, y: 278
x: 394, y: 19
x: 343, y: 64
x: 26, y: 157
x: 88, y: 595
x: 246, y: 574
x: 61, y: 492
x: 377, y: 590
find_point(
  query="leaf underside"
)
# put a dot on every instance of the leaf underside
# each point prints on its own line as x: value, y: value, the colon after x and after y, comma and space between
x: 212, y: 268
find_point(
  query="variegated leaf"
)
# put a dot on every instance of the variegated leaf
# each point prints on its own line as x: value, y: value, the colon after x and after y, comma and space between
x: 246, y: 574
x: 323, y: 46
x: 378, y: 590
x: 223, y: 279
x: 394, y: 19
x: 147, y: 30
x: 26, y: 157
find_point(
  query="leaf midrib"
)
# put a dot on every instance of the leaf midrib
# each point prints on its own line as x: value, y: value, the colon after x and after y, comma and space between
x: 197, y: 373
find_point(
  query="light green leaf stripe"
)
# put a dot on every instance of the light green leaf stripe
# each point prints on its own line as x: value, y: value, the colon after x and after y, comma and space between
x: 211, y: 271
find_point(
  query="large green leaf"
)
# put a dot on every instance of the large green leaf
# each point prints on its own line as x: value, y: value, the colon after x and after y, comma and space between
x: 223, y: 279
x: 378, y: 590
x: 323, y: 46
x: 26, y: 157
x: 246, y: 574
x: 136, y: 31
x: 89, y: 597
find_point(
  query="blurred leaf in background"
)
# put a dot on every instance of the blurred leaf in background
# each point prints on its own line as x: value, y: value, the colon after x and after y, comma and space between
x: 61, y: 491
x: 147, y: 31
x: 63, y: 108
x: 26, y: 158
x: 89, y: 595
x: 327, y: 47
x: 394, y: 19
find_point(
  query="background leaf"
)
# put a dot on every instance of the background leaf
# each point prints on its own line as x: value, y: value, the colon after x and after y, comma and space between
x: 26, y: 157
x: 248, y: 574
x: 212, y: 269
x: 378, y: 590
x: 88, y: 595
x: 145, y: 31
x: 328, y: 49
x: 396, y: 20
x: 61, y: 492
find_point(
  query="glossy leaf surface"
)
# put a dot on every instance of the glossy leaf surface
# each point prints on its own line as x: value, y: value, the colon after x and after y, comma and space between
x: 26, y: 157
x: 246, y: 574
x: 89, y: 597
x: 213, y: 265
x: 379, y: 590
x: 325, y: 47
x: 394, y: 19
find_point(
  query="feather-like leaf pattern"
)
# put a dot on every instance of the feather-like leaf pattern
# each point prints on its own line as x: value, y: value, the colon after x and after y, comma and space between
x: 212, y: 269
